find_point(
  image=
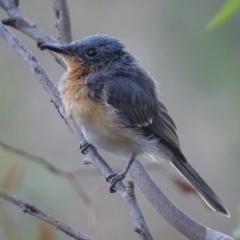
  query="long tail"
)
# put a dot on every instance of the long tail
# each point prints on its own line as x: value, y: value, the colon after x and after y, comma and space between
x: 198, y: 183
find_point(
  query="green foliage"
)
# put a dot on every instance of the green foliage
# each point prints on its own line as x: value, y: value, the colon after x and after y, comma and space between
x: 227, y: 11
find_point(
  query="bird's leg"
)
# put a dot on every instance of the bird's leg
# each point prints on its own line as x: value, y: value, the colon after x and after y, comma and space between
x: 84, y: 146
x: 115, y: 177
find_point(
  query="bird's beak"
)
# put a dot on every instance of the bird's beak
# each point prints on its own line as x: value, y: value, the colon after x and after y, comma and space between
x: 62, y: 49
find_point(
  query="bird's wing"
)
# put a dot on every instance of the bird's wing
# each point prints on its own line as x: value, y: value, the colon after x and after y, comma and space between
x: 141, y: 108
x: 134, y: 103
x: 164, y: 128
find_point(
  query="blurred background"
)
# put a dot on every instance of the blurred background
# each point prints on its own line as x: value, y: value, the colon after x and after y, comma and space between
x: 198, y: 75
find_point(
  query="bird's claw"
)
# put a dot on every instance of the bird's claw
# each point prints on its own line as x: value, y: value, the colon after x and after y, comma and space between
x: 84, y: 146
x: 113, y: 179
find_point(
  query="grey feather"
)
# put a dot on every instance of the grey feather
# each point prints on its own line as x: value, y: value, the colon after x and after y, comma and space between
x: 199, y: 184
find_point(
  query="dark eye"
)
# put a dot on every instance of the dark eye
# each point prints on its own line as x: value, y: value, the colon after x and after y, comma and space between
x: 92, y: 52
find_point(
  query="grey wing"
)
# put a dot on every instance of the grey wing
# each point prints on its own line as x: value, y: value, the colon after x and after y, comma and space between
x: 142, y: 109
x: 136, y: 104
x: 164, y: 127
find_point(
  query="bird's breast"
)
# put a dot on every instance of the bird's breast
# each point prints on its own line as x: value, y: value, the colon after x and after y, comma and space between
x: 78, y: 106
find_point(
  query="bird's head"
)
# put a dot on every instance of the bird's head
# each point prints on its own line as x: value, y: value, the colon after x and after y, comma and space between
x: 92, y: 52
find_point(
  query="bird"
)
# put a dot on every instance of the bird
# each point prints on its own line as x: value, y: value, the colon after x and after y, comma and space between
x: 114, y: 101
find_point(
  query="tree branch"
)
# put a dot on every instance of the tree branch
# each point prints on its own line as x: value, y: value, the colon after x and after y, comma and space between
x: 19, y: 22
x: 97, y: 161
x: 63, y: 24
x: 173, y: 215
x: 69, y: 175
x: 32, y: 210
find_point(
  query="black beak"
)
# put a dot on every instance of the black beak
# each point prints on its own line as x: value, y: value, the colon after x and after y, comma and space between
x: 63, y: 49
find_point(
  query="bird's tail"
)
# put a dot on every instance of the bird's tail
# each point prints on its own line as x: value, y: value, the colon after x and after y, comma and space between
x: 198, y: 183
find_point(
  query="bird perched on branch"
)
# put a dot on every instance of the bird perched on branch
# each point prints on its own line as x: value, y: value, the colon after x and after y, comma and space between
x: 114, y: 102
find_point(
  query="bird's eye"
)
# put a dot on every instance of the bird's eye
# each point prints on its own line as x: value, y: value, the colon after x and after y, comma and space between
x: 92, y: 52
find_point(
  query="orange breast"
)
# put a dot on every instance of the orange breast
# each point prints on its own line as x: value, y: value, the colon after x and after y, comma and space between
x: 78, y: 106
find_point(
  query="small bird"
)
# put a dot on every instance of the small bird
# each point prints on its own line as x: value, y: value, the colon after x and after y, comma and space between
x: 114, y: 101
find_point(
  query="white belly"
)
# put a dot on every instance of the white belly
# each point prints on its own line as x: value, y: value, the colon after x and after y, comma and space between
x: 114, y: 140
x: 125, y: 142
x: 102, y: 129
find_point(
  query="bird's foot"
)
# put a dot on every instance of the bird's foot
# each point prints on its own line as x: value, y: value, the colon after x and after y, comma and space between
x: 113, y: 179
x: 84, y: 146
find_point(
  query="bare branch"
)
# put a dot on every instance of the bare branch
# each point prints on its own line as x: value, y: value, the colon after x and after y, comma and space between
x: 32, y: 210
x: 40, y: 160
x: 69, y: 175
x: 19, y: 22
x: 179, y: 220
x: 140, y: 227
x: 97, y: 160
x: 35, y: 67
x: 63, y: 24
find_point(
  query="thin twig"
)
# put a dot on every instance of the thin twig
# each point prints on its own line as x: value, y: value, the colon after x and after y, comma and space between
x: 36, y: 159
x: 19, y: 22
x: 140, y: 228
x: 32, y: 210
x: 63, y: 23
x: 40, y: 160
x: 69, y: 175
x: 96, y: 159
